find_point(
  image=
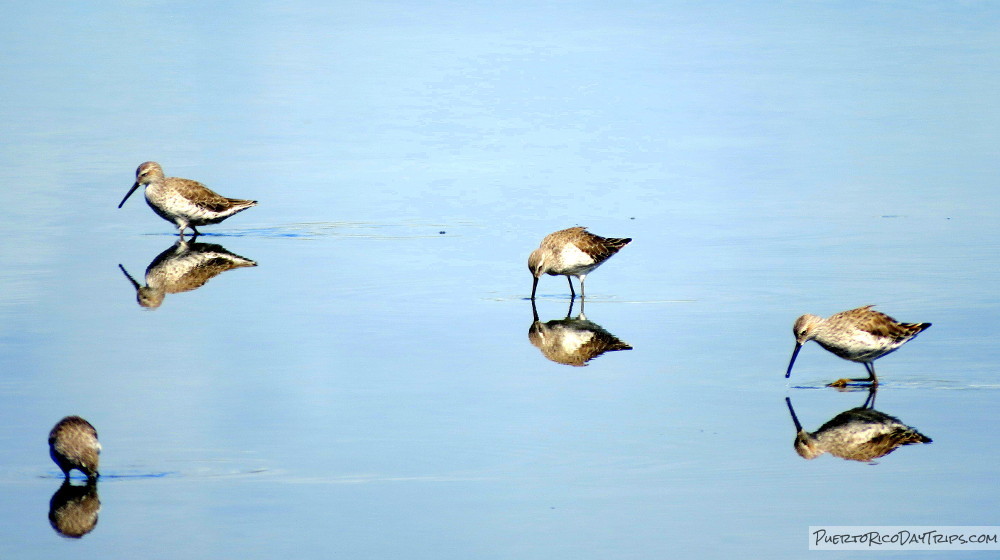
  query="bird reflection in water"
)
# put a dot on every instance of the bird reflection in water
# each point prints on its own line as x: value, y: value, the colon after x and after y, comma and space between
x: 569, y: 341
x: 183, y: 267
x: 73, y: 509
x: 859, y: 434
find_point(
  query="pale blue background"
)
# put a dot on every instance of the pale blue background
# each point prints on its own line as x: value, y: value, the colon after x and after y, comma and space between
x: 369, y: 390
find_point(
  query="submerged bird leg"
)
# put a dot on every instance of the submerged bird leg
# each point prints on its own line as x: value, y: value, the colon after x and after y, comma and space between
x: 871, y: 373
x: 870, y: 380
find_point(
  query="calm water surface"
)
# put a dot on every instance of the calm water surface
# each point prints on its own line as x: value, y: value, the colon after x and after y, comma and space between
x: 369, y: 389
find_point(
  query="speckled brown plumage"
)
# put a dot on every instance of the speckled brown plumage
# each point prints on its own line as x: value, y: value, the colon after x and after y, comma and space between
x: 859, y: 335
x: 184, y: 267
x: 73, y: 509
x: 573, y: 342
x: 184, y: 202
x: 571, y: 252
x: 73, y: 445
x: 858, y: 434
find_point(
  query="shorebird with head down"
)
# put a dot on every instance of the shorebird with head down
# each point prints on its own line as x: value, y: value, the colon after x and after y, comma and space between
x: 73, y: 445
x: 859, y: 335
x: 571, y: 252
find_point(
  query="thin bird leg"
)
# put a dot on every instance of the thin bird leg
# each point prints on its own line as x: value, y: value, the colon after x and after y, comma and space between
x: 572, y: 294
x: 583, y: 292
x: 871, y: 379
x: 871, y: 373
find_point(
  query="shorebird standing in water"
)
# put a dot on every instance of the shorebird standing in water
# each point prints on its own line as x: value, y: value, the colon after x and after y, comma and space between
x: 73, y: 445
x: 859, y: 335
x: 184, y: 202
x: 571, y: 252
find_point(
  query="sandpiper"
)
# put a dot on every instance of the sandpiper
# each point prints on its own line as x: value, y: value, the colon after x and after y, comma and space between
x: 858, y: 434
x: 73, y: 445
x: 859, y: 335
x: 184, y: 202
x: 572, y: 252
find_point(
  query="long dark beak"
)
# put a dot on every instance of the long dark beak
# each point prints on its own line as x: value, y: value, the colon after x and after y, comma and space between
x: 130, y: 191
x: 798, y: 426
x: 129, y: 276
x: 792, y: 362
x: 534, y: 286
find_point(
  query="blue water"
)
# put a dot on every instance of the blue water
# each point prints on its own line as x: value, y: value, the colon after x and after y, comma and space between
x: 369, y: 388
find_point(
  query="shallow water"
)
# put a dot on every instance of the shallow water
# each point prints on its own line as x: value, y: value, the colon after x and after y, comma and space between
x: 370, y: 388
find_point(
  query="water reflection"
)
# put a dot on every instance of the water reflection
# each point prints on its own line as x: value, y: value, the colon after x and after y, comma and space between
x: 572, y: 341
x: 183, y: 267
x: 858, y: 434
x: 73, y: 509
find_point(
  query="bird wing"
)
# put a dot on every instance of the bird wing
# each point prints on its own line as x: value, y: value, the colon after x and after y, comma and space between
x: 880, y: 325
